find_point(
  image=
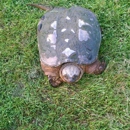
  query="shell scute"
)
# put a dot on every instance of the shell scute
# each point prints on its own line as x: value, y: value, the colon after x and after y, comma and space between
x: 69, y: 35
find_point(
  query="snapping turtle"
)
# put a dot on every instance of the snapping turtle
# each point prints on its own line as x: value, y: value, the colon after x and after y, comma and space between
x: 68, y: 42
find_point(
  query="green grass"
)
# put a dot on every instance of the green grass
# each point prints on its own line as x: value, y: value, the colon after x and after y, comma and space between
x: 28, y: 102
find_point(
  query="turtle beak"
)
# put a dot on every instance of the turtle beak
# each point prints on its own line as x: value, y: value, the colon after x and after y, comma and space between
x: 72, y: 79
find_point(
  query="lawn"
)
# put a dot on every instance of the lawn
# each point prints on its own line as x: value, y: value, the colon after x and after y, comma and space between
x: 28, y: 102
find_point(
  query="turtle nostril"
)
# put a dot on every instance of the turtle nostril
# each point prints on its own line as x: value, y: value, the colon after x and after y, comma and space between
x: 73, y: 79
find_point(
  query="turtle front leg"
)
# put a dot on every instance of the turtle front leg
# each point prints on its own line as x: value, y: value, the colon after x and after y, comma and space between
x: 54, y: 81
x: 53, y: 74
x: 95, y: 68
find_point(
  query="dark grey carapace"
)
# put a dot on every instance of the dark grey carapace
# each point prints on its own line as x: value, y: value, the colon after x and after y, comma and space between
x: 68, y: 36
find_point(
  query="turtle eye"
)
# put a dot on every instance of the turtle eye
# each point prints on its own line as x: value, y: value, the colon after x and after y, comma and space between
x: 66, y: 76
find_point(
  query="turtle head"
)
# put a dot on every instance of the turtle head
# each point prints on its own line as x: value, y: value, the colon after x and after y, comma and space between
x: 70, y: 72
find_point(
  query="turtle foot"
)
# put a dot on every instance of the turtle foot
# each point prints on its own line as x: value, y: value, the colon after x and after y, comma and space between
x: 96, y: 68
x: 100, y: 68
x: 54, y: 81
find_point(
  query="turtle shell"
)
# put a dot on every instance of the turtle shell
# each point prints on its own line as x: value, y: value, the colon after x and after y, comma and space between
x: 68, y: 35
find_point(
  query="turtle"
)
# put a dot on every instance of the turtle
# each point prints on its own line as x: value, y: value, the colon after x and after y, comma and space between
x: 68, y: 41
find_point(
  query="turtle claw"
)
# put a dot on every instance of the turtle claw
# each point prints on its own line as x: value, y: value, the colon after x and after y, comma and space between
x: 54, y: 81
x: 100, y: 68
